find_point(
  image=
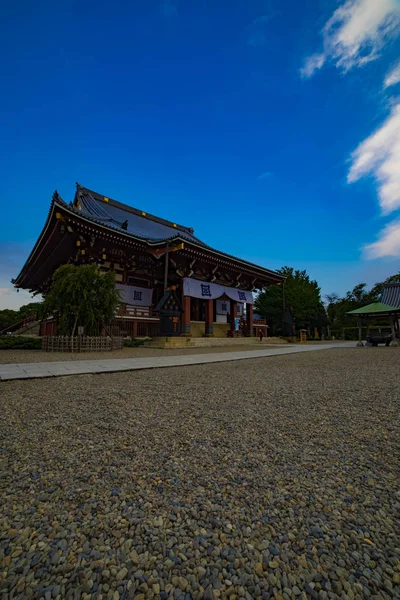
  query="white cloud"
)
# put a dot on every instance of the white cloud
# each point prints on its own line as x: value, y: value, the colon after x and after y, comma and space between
x: 313, y: 63
x: 388, y: 243
x: 353, y: 36
x: 265, y: 175
x: 258, y: 29
x: 9, y: 298
x: 355, y: 33
x: 393, y: 77
x: 12, y: 258
x: 379, y: 155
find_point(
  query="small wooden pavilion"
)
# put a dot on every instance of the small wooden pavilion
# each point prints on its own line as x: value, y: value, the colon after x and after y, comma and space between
x: 387, y: 308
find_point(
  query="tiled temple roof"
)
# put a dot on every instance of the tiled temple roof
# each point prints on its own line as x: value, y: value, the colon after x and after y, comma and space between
x: 133, y: 221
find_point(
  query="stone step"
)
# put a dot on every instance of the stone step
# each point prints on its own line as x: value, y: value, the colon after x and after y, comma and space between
x: 187, y: 342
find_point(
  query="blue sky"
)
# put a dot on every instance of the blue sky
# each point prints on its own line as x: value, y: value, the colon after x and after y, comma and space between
x: 270, y: 126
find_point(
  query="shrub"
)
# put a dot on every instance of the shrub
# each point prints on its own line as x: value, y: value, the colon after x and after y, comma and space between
x: 19, y: 342
x: 135, y: 342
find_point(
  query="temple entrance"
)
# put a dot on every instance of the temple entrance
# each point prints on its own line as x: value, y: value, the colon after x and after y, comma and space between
x: 197, y: 309
x: 213, y: 310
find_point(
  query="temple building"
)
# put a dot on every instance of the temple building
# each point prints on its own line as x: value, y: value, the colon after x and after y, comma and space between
x: 148, y: 255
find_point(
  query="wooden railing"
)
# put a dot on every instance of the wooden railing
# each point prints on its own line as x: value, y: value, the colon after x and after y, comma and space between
x: 137, y: 311
x: 133, y: 328
x: 148, y: 329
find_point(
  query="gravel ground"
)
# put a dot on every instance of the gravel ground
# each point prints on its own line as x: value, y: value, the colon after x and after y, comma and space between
x: 27, y: 356
x: 271, y: 478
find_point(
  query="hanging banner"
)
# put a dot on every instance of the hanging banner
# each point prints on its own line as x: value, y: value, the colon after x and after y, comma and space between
x: 135, y: 296
x: 213, y: 291
x: 239, y: 295
x: 240, y: 309
x: 202, y: 289
x: 223, y: 307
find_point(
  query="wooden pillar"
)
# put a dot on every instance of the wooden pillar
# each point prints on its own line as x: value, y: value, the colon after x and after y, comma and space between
x: 359, y: 343
x: 185, y: 329
x: 397, y: 327
x: 209, y: 306
x: 249, y: 318
x: 166, y: 271
x: 394, y: 340
x: 233, y: 314
x: 135, y: 324
x: 196, y: 309
x: 367, y: 343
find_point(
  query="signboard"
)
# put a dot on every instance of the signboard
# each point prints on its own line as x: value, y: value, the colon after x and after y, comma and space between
x: 223, y: 307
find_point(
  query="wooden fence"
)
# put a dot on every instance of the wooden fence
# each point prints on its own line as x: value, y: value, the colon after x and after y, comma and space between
x: 80, y: 343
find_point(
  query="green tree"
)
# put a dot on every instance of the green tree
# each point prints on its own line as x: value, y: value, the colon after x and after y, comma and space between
x: 8, y: 317
x: 300, y: 294
x: 378, y: 287
x: 81, y: 296
x: 269, y: 304
x: 337, y: 308
x: 33, y: 308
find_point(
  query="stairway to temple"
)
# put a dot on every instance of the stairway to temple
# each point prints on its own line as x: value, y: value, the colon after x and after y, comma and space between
x: 29, y: 329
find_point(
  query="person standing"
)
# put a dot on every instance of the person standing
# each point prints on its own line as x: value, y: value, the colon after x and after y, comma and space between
x: 260, y: 334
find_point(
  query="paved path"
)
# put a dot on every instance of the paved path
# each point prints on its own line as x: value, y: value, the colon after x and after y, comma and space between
x: 79, y: 367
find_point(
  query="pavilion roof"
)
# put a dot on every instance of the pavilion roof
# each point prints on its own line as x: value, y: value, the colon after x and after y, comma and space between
x: 376, y: 308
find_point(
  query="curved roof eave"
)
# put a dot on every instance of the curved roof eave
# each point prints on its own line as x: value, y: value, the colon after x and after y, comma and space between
x: 177, y: 238
x: 57, y: 201
x: 38, y: 241
x: 375, y: 308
